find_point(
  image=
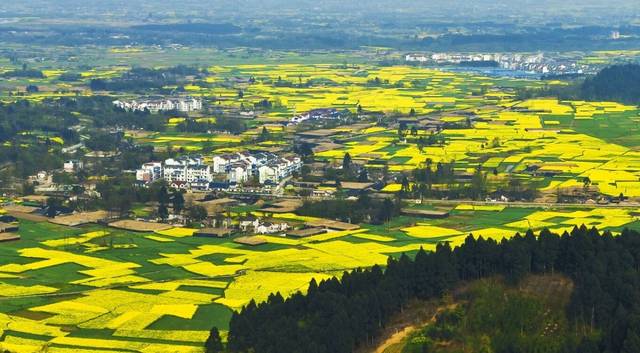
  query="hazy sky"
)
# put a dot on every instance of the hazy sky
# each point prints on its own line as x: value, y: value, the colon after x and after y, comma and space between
x: 506, y: 10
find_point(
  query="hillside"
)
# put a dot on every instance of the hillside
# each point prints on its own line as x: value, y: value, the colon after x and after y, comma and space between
x: 489, y: 316
x: 619, y: 83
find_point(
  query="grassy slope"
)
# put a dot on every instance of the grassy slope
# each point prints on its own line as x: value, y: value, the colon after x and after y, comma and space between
x: 553, y: 291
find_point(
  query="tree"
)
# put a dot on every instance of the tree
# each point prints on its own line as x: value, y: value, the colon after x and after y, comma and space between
x: 363, y: 177
x: 264, y: 134
x: 346, y: 162
x: 478, y: 184
x: 53, y: 206
x: 421, y: 143
x: 177, y: 200
x: 386, y: 211
x: 214, y: 342
x: 163, y: 195
x: 163, y: 212
x: 197, y: 213
x: 405, y: 187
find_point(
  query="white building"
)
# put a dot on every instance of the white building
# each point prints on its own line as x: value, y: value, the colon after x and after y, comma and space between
x: 149, y: 172
x: 187, y: 169
x: 276, y: 170
x: 239, y: 172
x: 191, y: 172
x: 181, y: 104
x: 416, y: 58
x: 317, y: 114
x: 259, y: 227
x: 268, y: 167
x: 73, y: 165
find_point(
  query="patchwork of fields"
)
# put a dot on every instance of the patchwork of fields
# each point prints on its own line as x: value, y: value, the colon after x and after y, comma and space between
x: 565, y: 141
x: 92, y: 288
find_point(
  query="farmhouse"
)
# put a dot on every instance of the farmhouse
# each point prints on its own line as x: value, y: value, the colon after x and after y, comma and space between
x: 6, y: 227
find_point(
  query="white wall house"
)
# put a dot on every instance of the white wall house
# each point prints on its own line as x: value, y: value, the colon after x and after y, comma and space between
x: 182, y: 104
x: 278, y: 169
x: 187, y: 169
x: 73, y: 165
x: 149, y: 172
x: 237, y: 168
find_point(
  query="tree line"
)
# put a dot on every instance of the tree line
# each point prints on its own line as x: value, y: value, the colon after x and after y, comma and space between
x: 139, y: 78
x: 339, y: 315
x: 618, y: 83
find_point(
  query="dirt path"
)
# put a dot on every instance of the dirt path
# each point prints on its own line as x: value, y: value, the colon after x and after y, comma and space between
x: 396, y: 338
x: 408, y: 328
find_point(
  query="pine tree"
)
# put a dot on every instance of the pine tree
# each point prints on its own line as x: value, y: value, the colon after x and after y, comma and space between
x: 178, y: 202
x: 214, y: 342
x: 346, y: 162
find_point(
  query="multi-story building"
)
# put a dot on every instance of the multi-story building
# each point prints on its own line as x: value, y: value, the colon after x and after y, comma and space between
x: 181, y: 104
x: 149, y: 172
x: 268, y: 167
x: 280, y: 168
x: 186, y: 169
x: 237, y: 168
x: 184, y: 172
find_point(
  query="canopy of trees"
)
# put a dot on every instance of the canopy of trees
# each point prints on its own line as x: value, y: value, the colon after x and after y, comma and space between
x: 619, y: 83
x: 340, y: 315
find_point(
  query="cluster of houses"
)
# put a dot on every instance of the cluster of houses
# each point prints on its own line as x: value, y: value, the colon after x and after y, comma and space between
x: 317, y: 114
x: 191, y: 172
x: 181, y: 104
x: 536, y: 63
x: 267, y: 167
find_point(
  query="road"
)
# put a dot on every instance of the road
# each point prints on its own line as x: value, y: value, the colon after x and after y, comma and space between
x: 521, y: 204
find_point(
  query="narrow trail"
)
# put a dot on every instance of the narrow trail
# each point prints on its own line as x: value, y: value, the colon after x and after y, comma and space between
x: 401, y: 334
x: 396, y: 338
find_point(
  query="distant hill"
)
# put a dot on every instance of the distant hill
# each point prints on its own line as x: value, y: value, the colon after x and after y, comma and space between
x: 620, y: 83
x: 205, y: 28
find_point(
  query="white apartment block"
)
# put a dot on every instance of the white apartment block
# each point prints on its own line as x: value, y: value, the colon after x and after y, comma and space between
x: 186, y: 169
x: 276, y: 170
x: 186, y: 104
x: 238, y: 168
x: 268, y: 167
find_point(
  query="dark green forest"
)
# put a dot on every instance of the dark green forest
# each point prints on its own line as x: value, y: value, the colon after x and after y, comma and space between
x: 341, y: 315
x: 618, y: 83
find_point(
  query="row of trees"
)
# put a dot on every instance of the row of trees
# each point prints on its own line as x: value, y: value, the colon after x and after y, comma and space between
x: 618, y: 83
x: 341, y: 315
x: 364, y: 209
x: 140, y: 78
